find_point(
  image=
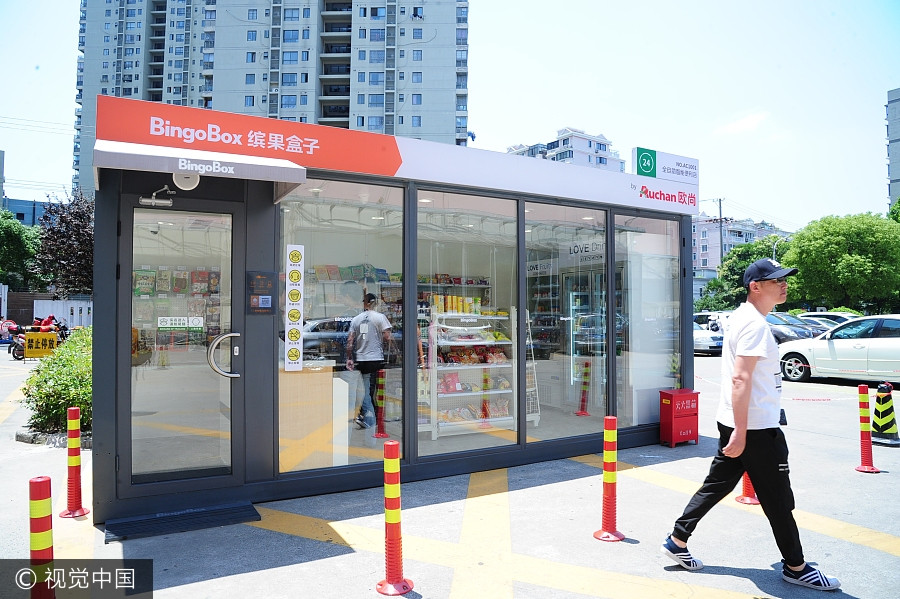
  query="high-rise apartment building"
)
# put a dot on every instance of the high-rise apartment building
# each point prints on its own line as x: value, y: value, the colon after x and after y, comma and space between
x: 574, y: 146
x: 893, y: 133
x: 398, y: 67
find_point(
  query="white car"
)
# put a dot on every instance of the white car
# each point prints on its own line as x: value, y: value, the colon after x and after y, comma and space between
x: 708, y: 342
x: 866, y: 348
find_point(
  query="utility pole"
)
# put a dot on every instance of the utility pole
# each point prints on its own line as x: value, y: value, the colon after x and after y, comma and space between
x: 721, y: 234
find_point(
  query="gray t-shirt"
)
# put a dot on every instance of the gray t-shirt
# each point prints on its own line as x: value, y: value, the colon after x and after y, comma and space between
x: 368, y: 329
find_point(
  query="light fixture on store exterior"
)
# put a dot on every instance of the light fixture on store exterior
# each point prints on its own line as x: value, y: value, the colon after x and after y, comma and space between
x: 425, y: 200
x: 186, y: 181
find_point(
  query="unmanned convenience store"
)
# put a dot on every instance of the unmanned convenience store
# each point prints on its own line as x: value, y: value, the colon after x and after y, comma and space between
x: 527, y: 301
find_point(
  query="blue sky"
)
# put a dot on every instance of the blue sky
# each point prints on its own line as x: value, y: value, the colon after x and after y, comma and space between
x: 782, y: 102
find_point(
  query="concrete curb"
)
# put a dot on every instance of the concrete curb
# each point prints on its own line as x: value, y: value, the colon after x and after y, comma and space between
x: 51, y: 439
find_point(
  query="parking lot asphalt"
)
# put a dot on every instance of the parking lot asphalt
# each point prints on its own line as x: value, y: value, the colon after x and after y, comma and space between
x: 524, y: 532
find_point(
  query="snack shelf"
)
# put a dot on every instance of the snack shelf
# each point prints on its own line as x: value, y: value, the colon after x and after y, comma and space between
x: 471, y: 366
x: 474, y: 426
x: 469, y: 343
x: 473, y: 393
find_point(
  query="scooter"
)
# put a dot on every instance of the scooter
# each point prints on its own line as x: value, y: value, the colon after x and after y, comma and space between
x: 46, y: 325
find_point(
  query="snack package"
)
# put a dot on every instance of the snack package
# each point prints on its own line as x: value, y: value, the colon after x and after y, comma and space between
x: 144, y: 282
x: 197, y: 306
x: 213, y: 281
x: 180, y: 281
x: 199, y: 282
x: 212, y: 314
x: 143, y: 309
x: 163, y: 280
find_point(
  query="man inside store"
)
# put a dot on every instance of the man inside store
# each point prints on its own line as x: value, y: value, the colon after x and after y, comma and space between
x: 369, y: 332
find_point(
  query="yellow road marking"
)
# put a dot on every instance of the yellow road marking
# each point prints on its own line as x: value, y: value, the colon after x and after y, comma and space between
x: 486, y: 526
x: 11, y: 403
x: 488, y: 562
x: 824, y: 525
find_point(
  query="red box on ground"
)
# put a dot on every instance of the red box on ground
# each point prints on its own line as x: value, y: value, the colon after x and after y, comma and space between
x: 678, y: 416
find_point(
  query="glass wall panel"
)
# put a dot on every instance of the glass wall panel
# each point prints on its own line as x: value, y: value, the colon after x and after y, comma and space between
x: 466, y: 290
x: 353, y: 241
x: 566, y: 340
x: 647, y: 295
x: 182, y: 301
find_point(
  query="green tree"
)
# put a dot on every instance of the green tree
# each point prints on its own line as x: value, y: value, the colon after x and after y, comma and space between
x: 712, y: 297
x: 18, y: 245
x: 731, y: 272
x: 66, y: 255
x: 893, y: 212
x: 850, y: 260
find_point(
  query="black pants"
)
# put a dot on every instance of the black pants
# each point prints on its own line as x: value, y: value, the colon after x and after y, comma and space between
x: 765, y: 459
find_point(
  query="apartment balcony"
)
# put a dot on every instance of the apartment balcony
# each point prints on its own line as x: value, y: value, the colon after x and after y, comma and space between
x: 206, y: 90
x: 336, y: 51
x: 335, y: 105
x: 338, y: 28
x: 335, y: 114
x: 337, y: 7
x: 336, y: 91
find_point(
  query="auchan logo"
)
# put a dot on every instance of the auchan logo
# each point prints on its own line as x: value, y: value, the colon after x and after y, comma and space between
x: 680, y: 198
x: 213, y: 132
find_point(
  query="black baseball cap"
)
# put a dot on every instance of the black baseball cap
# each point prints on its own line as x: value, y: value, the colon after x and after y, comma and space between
x: 370, y: 298
x: 766, y: 270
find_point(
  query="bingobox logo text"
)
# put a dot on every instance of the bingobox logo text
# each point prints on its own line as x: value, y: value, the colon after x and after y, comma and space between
x: 203, y: 168
x: 188, y: 135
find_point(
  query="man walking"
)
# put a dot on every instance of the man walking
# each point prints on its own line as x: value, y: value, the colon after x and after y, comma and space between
x: 750, y: 439
x: 368, y: 332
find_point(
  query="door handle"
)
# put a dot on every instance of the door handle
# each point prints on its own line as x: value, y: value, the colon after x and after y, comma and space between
x: 212, y: 361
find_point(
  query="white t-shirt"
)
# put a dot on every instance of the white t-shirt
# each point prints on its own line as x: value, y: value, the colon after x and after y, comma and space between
x: 747, y: 334
x: 367, y: 329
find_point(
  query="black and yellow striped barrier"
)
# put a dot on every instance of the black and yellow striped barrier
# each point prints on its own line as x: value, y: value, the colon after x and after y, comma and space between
x: 884, y: 422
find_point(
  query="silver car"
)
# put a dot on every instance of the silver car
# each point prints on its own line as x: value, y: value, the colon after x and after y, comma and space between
x: 707, y: 342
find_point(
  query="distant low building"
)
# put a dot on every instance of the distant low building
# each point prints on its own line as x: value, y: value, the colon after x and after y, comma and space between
x: 26, y: 211
x: 574, y: 146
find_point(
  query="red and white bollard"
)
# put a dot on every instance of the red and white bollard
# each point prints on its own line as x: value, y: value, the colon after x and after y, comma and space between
x: 748, y: 496
x: 585, y: 389
x: 610, y: 444
x: 73, y: 500
x: 379, y: 406
x: 393, y: 583
x: 865, y: 432
x: 40, y: 507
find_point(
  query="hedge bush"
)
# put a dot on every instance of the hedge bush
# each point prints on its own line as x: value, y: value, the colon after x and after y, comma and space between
x: 60, y: 381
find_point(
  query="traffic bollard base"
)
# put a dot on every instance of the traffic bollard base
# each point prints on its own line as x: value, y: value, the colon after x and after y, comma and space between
x: 394, y: 588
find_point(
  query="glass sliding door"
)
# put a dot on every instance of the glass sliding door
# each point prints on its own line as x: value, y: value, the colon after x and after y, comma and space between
x: 467, y: 313
x: 352, y: 235
x: 647, y: 294
x: 181, y: 306
x: 566, y: 295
